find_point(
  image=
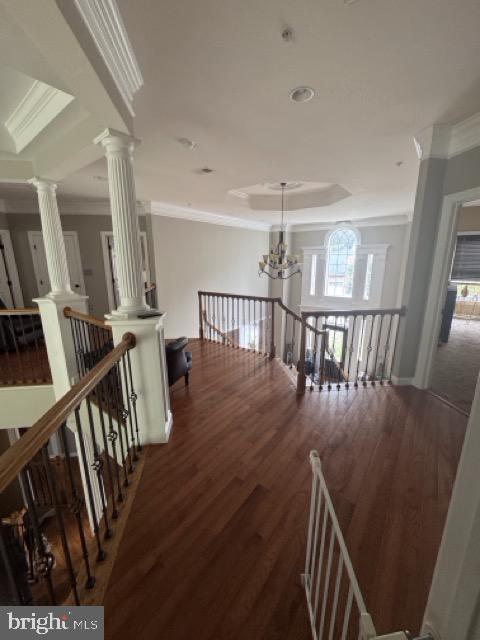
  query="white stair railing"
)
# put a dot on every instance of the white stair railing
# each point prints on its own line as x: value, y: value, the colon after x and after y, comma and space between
x: 335, y: 603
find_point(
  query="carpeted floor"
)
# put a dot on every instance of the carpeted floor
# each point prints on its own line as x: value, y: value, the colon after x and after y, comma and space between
x: 457, y: 364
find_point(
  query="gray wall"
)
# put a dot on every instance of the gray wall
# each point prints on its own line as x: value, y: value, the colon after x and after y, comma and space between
x: 88, y: 228
x: 436, y: 179
x: 193, y: 256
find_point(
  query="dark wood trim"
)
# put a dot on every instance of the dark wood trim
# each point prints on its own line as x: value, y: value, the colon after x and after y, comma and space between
x: 23, y: 450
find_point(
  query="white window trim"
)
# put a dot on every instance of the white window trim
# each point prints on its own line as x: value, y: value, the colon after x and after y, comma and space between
x: 329, y: 234
x: 321, y: 301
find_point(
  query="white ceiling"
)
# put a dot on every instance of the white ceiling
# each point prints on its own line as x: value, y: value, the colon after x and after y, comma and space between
x: 218, y: 72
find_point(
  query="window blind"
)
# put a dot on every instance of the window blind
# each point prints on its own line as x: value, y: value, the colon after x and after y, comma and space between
x: 466, y: 263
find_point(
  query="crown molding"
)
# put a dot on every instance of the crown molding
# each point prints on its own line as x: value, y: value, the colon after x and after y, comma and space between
x: 39, y: 106
x: 65, y: 207
x: 195, y: 215
x: 379, y: 221
x: 105, y: 24
x: 446, y: 141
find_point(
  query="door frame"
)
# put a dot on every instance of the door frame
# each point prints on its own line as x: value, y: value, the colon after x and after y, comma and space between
x: 12, y: 268
x: 442, y: 262
x: 104, y: 235
x: 78, y: 257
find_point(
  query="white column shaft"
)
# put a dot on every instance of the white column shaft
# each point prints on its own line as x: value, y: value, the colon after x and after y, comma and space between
x: 118, y: 149
x: 53, y: 237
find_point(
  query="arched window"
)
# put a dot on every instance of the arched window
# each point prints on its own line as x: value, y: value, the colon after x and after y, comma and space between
x: 340, y: 266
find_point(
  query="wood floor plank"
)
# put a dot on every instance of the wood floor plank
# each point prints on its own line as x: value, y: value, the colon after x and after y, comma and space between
x: 215, y: 543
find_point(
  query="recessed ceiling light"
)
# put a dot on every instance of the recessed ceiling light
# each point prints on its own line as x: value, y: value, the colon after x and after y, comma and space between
x: 302, y: 94
x: 187, y: 143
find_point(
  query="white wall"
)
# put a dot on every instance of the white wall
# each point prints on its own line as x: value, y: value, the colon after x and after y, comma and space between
x: 192, y: 256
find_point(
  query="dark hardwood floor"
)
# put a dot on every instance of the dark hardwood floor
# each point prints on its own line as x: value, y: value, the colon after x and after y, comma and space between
x: 215, y: 542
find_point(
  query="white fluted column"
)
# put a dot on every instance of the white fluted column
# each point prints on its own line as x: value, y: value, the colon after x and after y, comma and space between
x: 118, y: 150
x: 53, y: 237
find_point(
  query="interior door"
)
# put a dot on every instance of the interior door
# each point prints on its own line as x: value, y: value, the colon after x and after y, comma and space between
x: 111, y: 267
x: 10, y: 291
x: 6, y: 291
x: 74, y: 262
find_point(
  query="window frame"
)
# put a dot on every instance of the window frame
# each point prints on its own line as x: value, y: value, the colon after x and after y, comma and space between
x: 328, y: 239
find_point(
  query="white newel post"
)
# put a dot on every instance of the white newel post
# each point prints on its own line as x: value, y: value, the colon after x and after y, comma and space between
x: 56, y: 328
x: 148, y: 356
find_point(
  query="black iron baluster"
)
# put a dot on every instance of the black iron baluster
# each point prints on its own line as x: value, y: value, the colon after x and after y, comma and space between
x: 340, y: 362
x: 75, y: 345
x: 82, y: 352
x: 360, y: 348
x: 350, y: 353
x: 122, y: 415
x: 43, y: 559
x: 394, y: 350
x: 386, y: 349
x: 112, y: 434
x: 369, y: 350
x: 60, y: 523
x: 105, y: 451
x: 11, y: 573
x: 133, y: 398
x: 228, y: 320
x: 128, y: 409
x: 377, y: 350
x: 314, y: 355
x: 294, y: 333
x: 38, y: 368
x: 76, y: 506
x: 97, y: 466
x: 6, y: 342
x: 88, y: 480
x: 15, y: 343
x: 26, y: 352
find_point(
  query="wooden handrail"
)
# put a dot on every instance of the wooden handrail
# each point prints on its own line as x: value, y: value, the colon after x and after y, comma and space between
x: 19, y: 312
x: 400, y: 311
x: 23, y: 450
x: 236, y: 296
x: 78, y: 315
x: 278, y: 301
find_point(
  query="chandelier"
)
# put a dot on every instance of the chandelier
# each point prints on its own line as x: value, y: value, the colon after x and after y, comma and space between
x: 278, y: 264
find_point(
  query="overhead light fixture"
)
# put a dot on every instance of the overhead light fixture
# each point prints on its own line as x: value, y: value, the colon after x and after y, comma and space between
x: 302, y: 94
x: 278, y: 264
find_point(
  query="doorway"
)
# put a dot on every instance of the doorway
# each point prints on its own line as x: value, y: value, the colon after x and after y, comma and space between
x: 109, y: 261
x: 456, y: 361
x: 74, y: 262
x: 10, y: 291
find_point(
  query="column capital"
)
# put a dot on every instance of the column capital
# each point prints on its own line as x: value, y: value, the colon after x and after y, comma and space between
x: 43, y: 184
x: 116, y: 141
